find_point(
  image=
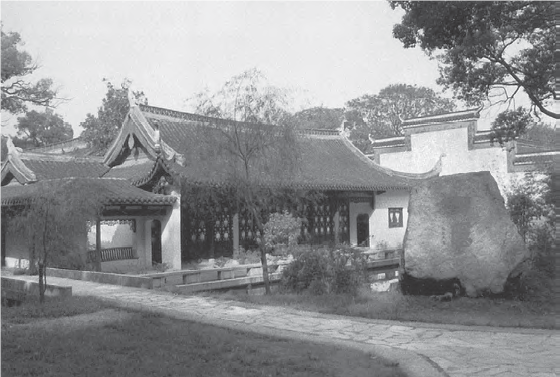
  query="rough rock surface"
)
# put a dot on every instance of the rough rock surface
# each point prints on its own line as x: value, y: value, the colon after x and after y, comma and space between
x: 458, y: 227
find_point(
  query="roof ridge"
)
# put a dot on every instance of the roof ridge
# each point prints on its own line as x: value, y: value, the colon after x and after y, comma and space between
x: 55, y: 143
x: 191, y: 116
x: 319, y: 132
x: 49, y: 157
x: 445, y: 117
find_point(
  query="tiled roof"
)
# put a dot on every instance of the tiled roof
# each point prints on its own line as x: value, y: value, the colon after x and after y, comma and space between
x: 111, y: 191
x: 449, y: 117
x: 73, y: 146
x: 52, y: 169
x: 28, y: 167
x: 132, y: 172
x: 328, y: 161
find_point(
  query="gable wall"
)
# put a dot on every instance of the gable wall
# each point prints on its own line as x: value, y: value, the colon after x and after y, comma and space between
x: 427, y: 147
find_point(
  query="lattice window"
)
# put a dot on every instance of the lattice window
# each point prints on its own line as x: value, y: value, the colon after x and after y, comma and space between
x: 344, y: 221
x: 223, y: 225
x: 197, y: 231
x: 248, y: 230
x: 320, y: 221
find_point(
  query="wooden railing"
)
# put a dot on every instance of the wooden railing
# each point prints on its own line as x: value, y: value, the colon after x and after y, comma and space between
x: 113, y: 254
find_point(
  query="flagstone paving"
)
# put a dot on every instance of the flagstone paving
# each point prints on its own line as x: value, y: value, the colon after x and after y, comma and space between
x: 421, y: 349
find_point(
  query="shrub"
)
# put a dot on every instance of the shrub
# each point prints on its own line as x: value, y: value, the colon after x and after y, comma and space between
x: 281, y: 231
x: 247, y: 256
x: 301, y: 272
x: 531, y: 209
x: 326, y: 270
x: 536, y: 283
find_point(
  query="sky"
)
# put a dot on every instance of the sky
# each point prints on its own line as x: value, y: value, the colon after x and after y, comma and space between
x: 329, y: 52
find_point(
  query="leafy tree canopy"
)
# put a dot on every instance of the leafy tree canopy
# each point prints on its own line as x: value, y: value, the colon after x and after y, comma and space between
x: 52, y: 222
x: 36, y: 129
x: 380, y: 115
x: 265, y: 149
x: 486, y: 47
x: 246, y: 97
x: 519, y: 124
x: 101, y: 130
x: 321, y: 118
x: 17, y: 92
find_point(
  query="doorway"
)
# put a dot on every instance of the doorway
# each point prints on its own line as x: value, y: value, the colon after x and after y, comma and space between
x: 156, y: 241
x: 362, y: 228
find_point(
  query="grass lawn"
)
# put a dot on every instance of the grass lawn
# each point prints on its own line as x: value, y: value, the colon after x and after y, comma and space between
x: 395, y: 306
x: 81, y: 336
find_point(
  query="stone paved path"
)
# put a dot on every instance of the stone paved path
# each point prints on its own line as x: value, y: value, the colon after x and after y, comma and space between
x: 421, y: 349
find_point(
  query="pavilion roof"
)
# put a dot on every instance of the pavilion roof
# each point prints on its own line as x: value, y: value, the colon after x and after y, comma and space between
x: 111, y: 191
x: 189, y: 144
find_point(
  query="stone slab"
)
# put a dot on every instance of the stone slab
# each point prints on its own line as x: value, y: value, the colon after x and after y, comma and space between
x: 16, y: 289
x: 102, y: 277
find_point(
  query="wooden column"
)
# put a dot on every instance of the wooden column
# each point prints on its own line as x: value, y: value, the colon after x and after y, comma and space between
x: 97, y: 245
x: 3, y: 226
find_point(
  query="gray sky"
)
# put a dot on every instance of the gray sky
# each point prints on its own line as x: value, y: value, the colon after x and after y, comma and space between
x: 331, y: 51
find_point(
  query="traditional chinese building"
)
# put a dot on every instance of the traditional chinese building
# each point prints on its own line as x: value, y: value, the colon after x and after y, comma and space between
x: 161, y: 150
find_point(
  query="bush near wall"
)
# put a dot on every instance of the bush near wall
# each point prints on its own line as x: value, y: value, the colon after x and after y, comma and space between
x: 531, y: 209
x: 323, y: 270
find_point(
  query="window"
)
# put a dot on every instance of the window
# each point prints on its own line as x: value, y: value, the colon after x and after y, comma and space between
x: 395, y: 218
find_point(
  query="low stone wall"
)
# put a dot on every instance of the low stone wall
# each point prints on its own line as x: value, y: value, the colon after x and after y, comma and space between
x: 17, y: 289
x: 102, y: 277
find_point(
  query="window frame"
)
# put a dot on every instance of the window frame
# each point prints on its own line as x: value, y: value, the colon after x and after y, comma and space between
x: 399, y: 212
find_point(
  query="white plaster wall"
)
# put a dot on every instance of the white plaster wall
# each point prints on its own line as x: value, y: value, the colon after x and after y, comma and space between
x: 121, y: 235
x: 355, y: 210
x: 17, y: 250
x: 427, y: 147
x: 146, y: 241
x: 171, y: 236
x: 117, y: 235
x: 379, y: 221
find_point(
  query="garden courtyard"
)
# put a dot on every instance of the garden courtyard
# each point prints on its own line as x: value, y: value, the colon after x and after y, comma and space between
x: 135, y: 321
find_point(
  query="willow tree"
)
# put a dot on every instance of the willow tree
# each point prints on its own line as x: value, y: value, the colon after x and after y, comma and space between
x: 52, y: 216
x: 258, y: 148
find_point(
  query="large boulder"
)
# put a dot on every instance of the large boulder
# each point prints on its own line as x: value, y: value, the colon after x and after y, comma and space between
x: 459, y: 229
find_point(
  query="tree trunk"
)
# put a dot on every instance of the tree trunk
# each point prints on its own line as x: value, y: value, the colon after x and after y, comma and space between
x: 262, y: 248
x: 32, y: 258
x: 42, y: 282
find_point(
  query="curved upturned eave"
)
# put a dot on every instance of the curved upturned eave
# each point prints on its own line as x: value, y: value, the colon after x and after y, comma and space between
x: 434, y: 172
x: 160, y: 164
x: 18, y: 169
x: 136, y: 125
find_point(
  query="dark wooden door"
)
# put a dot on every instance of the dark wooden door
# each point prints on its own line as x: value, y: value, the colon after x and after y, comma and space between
x: 362, y: 229
x: 156, y: 241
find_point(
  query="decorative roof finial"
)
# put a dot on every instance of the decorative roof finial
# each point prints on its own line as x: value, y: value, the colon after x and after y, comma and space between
x: 342, y: 130
x: 131, y: 100
x: 157, y: 138
x: 12, y: 149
